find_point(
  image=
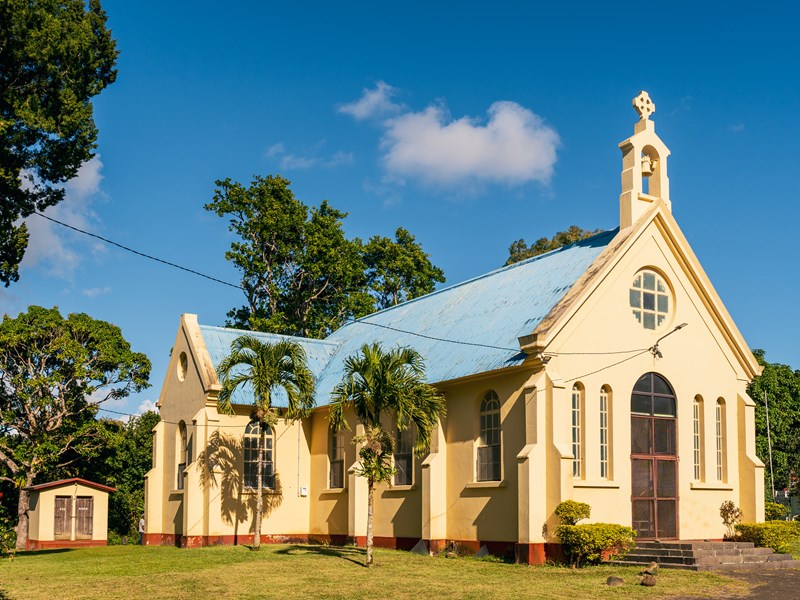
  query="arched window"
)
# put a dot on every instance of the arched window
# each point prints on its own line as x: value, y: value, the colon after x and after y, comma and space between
x: 720, y: 430
x: 697, y: 437
x: 488, y: 466
x: 336, y: 457
x: 605, y: 412
x: 250, y: 444
x: 404, y: 457
x: 577, y: 430
x: 181, y: 453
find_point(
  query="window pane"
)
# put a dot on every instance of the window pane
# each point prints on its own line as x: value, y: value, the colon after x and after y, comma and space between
x: 642, y: 478
x: 641, y: 435
x: 661, y: 287
x: 649, y: 281
x: 636, y: 299
x: 663, y: 407
x: 667, y: 519
x: 649, y: 301
x: 649, y: 321
x: 638, y: 315
x: 664, y: 436
x: 660, y: 386
x: 663, y: 304
x: 665, y: 472
x: 644, y: 518
x: 641, y: 404
x: 643, y: 384
x: 637, y: 283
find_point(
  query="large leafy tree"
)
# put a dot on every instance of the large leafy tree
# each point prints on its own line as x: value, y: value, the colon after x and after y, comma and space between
x: 54, y: 372
x: 385, y: 389
x: 520, y: 250
x: 55, y: 55
x: 781, y: 385
x: 399, y: 270
x: 300, y: 274
x: 263, y: 367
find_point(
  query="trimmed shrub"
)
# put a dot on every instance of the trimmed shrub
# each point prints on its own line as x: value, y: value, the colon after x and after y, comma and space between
x: 8, y: 538
x: 570, y: 512
x: 778, y: 535
x: 774, y: 511
x: 593, y: 542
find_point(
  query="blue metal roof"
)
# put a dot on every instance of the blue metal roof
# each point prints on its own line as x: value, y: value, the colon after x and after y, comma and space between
x: 485, y: 316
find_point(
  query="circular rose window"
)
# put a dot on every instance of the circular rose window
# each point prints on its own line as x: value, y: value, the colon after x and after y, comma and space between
x: 650, y: 299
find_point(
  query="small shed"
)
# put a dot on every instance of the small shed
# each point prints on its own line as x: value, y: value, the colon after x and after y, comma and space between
x: 68, y: 513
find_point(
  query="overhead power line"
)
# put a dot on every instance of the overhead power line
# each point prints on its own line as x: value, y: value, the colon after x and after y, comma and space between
x: 142, y: 254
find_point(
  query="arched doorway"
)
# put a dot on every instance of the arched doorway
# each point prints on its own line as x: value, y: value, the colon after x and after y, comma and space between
x: 654, y: 458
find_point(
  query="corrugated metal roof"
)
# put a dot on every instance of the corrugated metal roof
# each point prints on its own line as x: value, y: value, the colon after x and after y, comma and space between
x: 486, y: 314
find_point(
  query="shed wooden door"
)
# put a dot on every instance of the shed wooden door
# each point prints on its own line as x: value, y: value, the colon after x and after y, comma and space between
x: 84, y: 517
x: 62, y: 520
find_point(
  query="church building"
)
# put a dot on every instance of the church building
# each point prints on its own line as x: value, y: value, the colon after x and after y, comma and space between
x: 607, y: 371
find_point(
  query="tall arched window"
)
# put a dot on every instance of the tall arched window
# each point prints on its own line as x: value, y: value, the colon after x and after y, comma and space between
x: 605, y: 413
x: 250, y: 444
x: 577, y: 430
x: 488, y: 466
x: 697, y: 437
x: 720, y: 431
x: 336, y: 457
x: 404, y: 457
x: 181, y: 453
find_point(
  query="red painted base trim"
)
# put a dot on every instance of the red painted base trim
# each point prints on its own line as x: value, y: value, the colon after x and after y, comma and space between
x: 539, y: 554
x: 48, y: 544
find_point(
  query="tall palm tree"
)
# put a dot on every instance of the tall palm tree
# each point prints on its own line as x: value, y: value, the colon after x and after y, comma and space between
x: 265, y: 367
x: 385, y: 387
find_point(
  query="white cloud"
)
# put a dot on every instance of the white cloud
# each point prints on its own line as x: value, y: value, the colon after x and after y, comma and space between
x: 373, y: 103
x: 289, y: 161
x: 513, y: 146
x: 145, y: 406
x: 52, y: 246
x: 95, y: 292
x: 736, y: 128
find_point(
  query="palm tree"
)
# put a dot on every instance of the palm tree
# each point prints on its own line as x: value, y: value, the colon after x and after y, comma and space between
x: 264, y: 367
x: 383, y: 387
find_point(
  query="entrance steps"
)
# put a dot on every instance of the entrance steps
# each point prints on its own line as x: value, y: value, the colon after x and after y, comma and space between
x: 707, y: 556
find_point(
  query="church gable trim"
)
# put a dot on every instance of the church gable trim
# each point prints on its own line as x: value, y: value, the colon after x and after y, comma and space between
x: 561, y: 314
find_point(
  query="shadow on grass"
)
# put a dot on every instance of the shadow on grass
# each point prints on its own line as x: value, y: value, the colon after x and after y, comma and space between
x: 43, y: 553
x: 349, y: 553
x: 4, y: 596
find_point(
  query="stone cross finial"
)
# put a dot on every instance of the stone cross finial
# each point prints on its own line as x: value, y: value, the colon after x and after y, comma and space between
x: 644, y: 106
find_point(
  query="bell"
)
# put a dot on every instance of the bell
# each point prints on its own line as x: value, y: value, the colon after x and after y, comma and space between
x: 647, y: 166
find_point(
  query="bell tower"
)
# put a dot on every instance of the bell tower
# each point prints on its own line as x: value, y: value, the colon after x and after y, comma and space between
x: 644, y: 166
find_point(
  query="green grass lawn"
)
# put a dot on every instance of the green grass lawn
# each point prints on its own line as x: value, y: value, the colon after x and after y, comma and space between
x: 290, y: 571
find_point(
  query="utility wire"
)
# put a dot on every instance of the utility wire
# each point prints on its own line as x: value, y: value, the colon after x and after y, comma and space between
x: 238, y: 287
x: 142, y: 254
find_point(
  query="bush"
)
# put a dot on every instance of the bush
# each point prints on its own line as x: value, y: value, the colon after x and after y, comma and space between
x: 570, y: 512
x: 774, y: 511
x: 8, y: 538
x: 731, y: 516
x: 593, y: 542
x: 778, y: 535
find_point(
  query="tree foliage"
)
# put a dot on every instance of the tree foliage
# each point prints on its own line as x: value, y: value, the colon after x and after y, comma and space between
x: 54, y: 57
x: 519, y: 250
x: 385, y: 388
x: 399, y: 270
x: 263, y: 367
x: 300, y: 274
x: 782, y: 386
x: 54, y: 372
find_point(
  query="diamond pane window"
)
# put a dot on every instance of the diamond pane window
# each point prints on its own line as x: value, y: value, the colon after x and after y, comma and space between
x: 649, y: 299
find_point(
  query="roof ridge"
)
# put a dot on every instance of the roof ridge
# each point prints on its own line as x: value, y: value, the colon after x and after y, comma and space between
x: 268, y: 333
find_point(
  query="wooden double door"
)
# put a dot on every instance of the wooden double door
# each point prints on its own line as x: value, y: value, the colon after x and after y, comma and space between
x: 654, y: 458
x: 83, y: 515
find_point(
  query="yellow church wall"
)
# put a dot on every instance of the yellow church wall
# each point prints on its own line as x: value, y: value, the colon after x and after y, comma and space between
x: 696, y: 361
x: 329, y: 507
x: 483, y: 510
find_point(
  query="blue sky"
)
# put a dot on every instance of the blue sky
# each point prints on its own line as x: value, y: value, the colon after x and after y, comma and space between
x: 470, y: 124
